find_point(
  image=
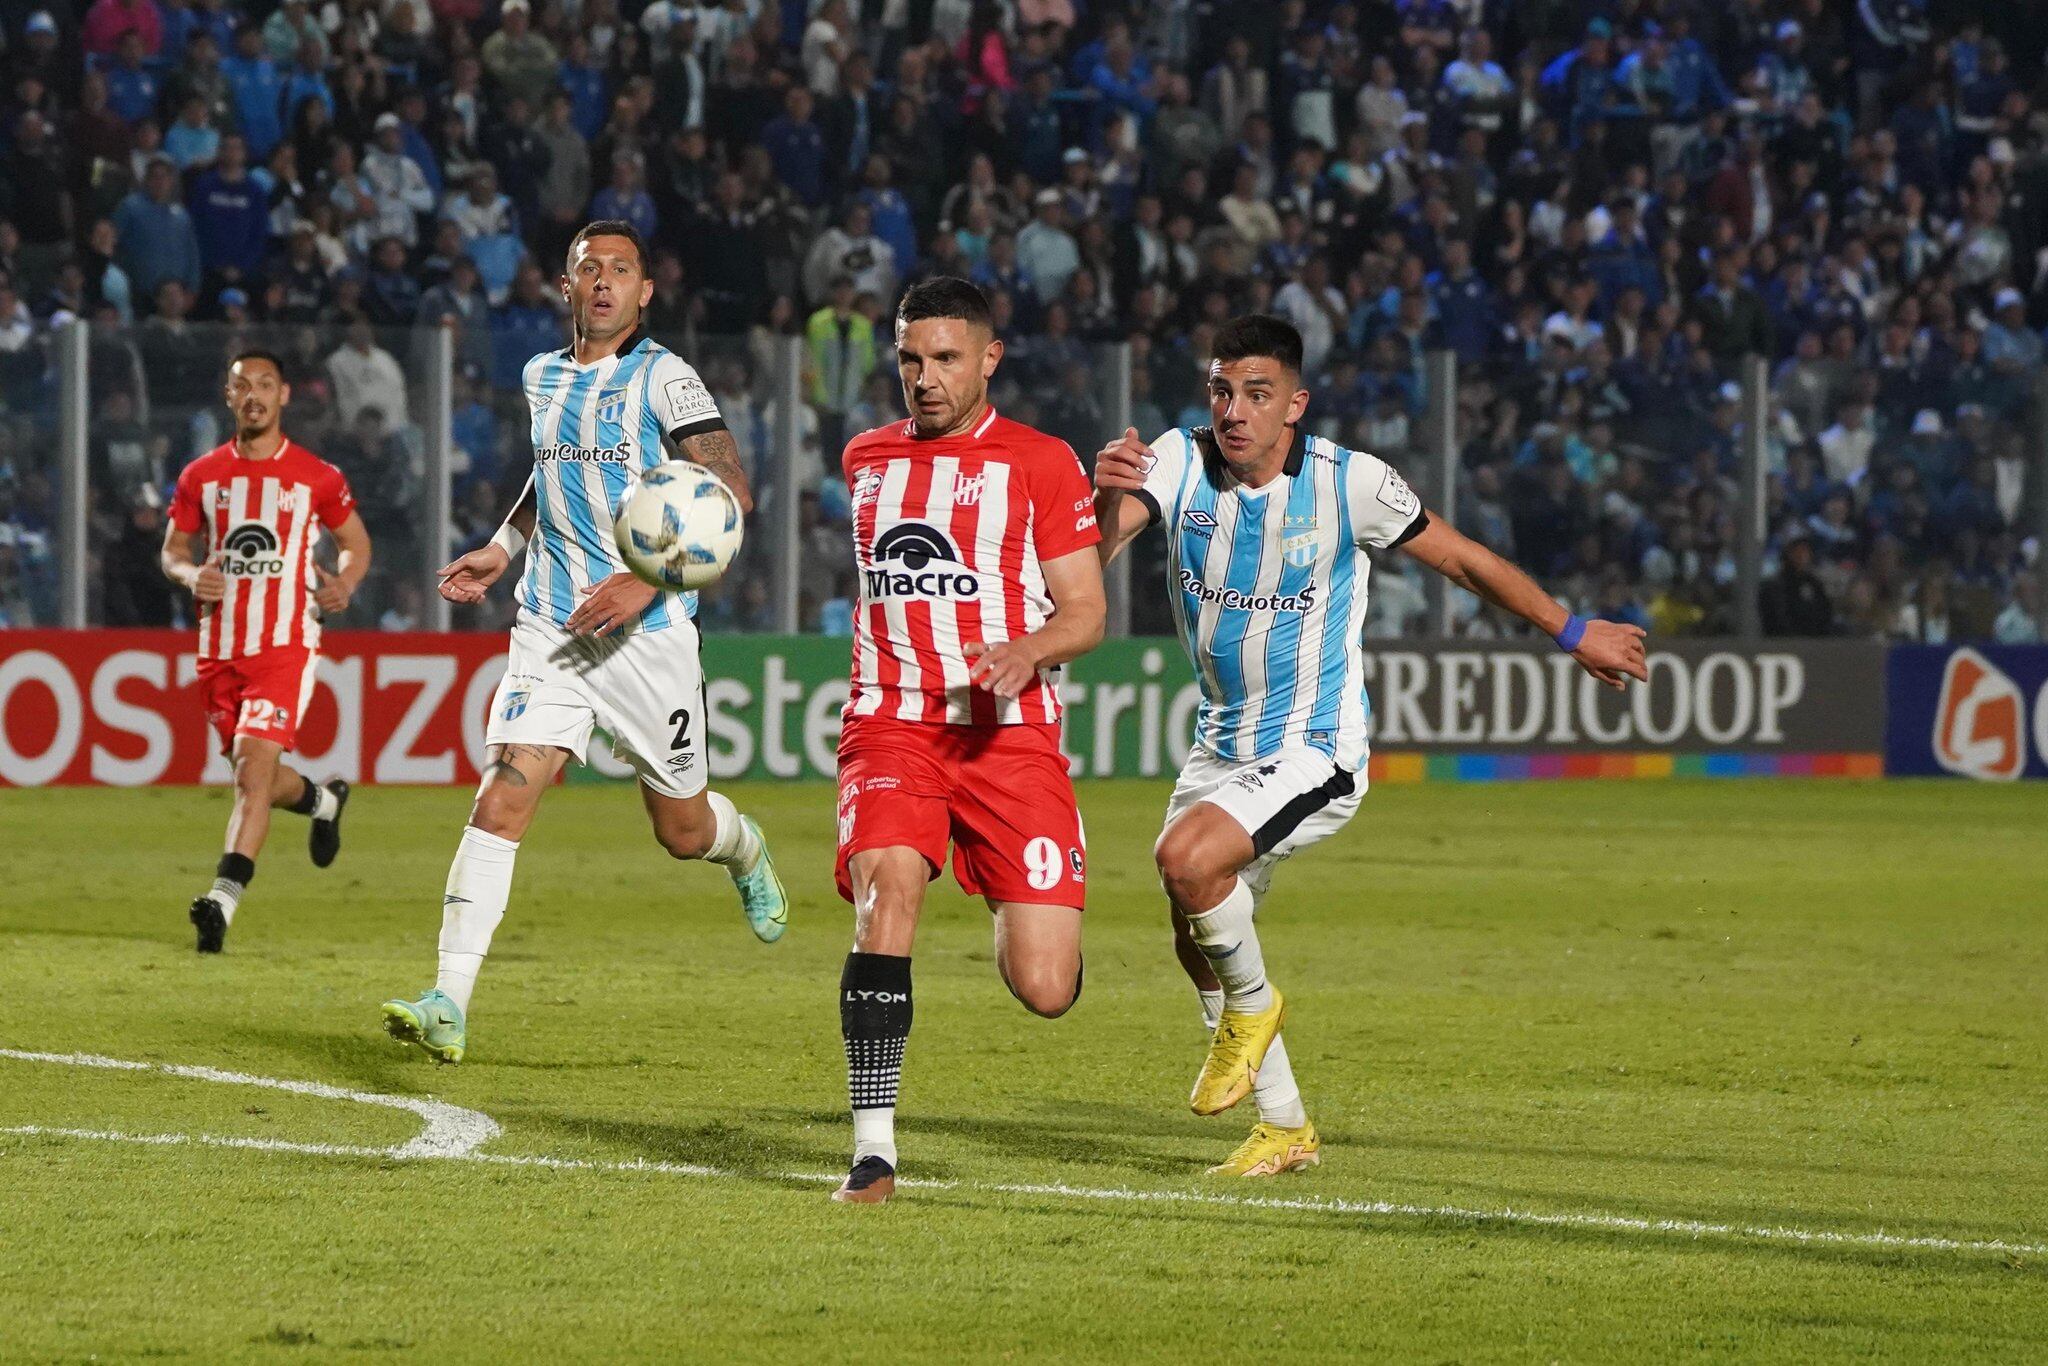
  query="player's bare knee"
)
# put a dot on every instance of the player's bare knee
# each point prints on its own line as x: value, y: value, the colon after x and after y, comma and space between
x: 1045, y: 990
x: 687, y: 841
x: 253, y: 776
x: 1192, y: 878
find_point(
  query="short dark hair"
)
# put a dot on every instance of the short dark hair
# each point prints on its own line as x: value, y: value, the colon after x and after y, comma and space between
x: 1258, y: 334
x: 945, y: 296
x: 258, y: 353
x: 608, y: 227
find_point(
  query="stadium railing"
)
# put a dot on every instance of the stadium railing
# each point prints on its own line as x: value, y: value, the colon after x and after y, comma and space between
x: 96, y: 424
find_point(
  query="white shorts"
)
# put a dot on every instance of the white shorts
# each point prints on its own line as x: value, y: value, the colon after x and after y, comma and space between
x: 1285, y: 801
x: 645, y: 688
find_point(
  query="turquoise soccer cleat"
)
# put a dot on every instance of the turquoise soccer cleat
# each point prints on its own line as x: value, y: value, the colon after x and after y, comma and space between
x: 761, y: 894
x: 434, y: 1022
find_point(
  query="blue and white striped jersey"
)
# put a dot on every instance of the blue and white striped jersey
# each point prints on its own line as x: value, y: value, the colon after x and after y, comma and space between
x: 1268, y: 589
x: 594, y: 427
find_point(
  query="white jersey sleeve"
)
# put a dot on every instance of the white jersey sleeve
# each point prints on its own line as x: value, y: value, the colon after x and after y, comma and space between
x: 1172, y: 453
x: 681, y: 401
x: 1384, y: 510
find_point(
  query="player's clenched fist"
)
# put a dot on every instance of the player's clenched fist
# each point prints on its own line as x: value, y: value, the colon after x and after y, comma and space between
x: 1004, y: 668
x: 467, y: 578
x: 209, y: 584
x: 1122, y: 464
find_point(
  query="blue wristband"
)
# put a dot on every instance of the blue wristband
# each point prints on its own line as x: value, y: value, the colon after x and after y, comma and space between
x: 1574, y: 631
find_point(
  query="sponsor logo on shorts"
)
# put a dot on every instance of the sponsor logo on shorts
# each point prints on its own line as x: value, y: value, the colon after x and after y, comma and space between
x: 682, y: 763
x: 917, y: 560
x: 250, y: 551
x: 1253, y: 779
x: 846, y: 805
x: 884, y: 784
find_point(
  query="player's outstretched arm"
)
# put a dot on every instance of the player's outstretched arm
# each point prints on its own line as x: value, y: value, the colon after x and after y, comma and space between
x: 715, y: 451
x: 468, y: 578
x: 182, y: 566
x: 1610, y: 651
x: 1074, y: 581
x: 1120, y: 469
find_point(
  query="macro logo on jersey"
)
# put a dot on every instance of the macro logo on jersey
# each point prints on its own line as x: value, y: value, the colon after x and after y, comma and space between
x: 249, y: 550
x: 917, y: 560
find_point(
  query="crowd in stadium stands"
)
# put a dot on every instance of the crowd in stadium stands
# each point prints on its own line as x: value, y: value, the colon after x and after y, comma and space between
x: 1600, y: 206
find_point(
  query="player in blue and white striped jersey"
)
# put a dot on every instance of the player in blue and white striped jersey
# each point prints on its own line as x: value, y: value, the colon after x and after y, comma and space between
x: 592, y: 645
x: 1267, y: 529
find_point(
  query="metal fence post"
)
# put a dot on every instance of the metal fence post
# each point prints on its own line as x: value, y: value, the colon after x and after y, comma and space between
x: 1752, y: 469
x: 1440, y: 378
x: 74, y: 364
x: 2036, y: 488
x: 785, y: 522
x: 1116, y: 582
x: 438, y: 515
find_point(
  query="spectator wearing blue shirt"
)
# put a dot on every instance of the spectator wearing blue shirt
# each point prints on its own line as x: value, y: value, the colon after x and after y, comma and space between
x: 230, y: 214
x: 391, y: 293
x: 307, y: 79
x: 256, y: 91
x: 2010, y: 346
x: 1036, y: 134
x: 797, y: 148
x: 626, y: 197
x: 132, y: 87
x: 1578, y: 87
x: 412, y: 139
x: 1123, y: 80
x: 590, y: 100
x: 526, y: 324
x: 191, y: 141
x: 1462, y: 302
x: 888, y: 209
x: 157, y: 241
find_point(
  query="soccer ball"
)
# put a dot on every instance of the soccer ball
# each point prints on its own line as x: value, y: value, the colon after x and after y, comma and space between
x: 678, y: 526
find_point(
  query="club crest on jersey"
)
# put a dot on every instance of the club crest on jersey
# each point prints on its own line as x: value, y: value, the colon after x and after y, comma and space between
x: 1298, y: 541
x: 917, y: 560
x: 967, y: 492
x: 867, y: 486
x: 611, y: 406
x: 250, y: 551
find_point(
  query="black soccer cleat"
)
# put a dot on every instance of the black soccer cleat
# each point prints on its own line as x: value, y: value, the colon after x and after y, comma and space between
x: 211, y: 922
x: 324, y: 841
x: 869, y: 1183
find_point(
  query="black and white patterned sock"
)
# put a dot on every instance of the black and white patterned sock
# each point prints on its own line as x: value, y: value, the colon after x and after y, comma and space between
x: 874, y: 1018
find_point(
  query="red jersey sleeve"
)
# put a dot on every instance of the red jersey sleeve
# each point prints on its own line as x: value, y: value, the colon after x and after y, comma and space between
x: 333, y: 501
x: 186, y: 515
x: 1062, y: 502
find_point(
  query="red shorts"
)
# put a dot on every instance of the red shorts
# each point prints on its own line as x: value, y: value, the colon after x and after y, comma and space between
x: 1000, y: 793
x: 262, y: 695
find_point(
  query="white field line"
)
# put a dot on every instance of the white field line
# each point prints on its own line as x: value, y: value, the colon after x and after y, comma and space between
x: 450, y: 1131
x: 1385, y: 1209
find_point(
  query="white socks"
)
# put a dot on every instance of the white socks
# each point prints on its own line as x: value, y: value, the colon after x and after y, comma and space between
x: 479, y: 883
x: 874, y: 1134
x: 1275, y: 1090
x: 228, y: 893
x: 1226, y: 938
x: 325, y: 803
x: 735, y: 846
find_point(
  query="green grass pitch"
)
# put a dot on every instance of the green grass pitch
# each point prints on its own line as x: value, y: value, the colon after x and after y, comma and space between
x: 1811, y: 1007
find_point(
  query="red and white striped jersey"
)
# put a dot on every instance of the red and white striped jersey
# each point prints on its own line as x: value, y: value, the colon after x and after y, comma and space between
x: 259, y: 517
x: 949, y: 534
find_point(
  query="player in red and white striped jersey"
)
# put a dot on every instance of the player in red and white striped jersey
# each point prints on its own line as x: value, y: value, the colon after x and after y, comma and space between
x: 974, y: 540
x: 244, y: 523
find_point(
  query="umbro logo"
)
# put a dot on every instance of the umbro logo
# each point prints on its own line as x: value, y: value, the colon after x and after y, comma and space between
x: 453, y: 900
x: 1199, y: 522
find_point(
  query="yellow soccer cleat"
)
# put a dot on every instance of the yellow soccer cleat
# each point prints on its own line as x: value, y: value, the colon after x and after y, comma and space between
x: 1236, y: 1053
x: 1272, y: 1150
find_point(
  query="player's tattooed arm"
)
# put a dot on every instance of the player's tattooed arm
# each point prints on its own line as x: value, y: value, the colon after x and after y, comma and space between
x: 716, y: 451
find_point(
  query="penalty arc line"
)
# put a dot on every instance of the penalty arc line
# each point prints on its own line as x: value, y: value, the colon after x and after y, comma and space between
x: 1589, y: 1222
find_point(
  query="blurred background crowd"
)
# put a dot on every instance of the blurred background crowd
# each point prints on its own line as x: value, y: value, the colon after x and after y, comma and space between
x: 1599, y: 206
